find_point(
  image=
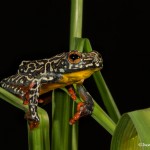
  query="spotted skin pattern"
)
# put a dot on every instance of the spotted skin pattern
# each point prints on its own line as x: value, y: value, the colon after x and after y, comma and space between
x: 37, y: 77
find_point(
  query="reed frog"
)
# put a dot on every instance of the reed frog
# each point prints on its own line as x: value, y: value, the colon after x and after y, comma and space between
x: 37, y: 77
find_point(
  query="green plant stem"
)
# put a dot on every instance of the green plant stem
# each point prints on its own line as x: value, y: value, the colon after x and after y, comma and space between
x: 75, y: 21
x: 64, y: 136
x: 13, y: 100
x: 103, y: 119
x: 107, y: 98
x: 60, y: 121
x: 75, y: 31
x: 38, y: 138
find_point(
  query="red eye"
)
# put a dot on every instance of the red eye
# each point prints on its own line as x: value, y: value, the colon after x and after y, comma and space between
x: 74, y: 57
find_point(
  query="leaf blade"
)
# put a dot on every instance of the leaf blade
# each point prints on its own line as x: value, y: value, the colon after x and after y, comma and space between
x: 104, y: 91
x: 37, y: 138
x: 132, y: 131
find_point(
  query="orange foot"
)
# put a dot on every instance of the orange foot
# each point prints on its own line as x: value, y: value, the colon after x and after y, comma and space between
x: 80, y: 110
x: 32, y: 123
x: 75, y: 118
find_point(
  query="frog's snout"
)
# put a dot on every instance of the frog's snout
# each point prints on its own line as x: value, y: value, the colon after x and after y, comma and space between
x: 97, y: 60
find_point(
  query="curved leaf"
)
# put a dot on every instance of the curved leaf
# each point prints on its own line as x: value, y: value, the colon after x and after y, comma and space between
x: 37, y: 138
x: 133, y: 131
x: 104, y: 91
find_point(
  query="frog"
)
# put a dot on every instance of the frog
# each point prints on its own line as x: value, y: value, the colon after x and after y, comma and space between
x: 37, y: 77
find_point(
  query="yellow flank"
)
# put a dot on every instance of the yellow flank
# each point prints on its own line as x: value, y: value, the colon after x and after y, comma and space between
x: 67, y: 79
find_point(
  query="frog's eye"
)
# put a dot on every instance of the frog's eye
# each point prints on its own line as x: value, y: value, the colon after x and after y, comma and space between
x: 74, y: 57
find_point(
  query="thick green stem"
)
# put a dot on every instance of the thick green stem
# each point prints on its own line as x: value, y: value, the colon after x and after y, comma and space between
x: 75, y: 31
x: 107, y: 98
x: 75, y: 21
x: 64, y: 136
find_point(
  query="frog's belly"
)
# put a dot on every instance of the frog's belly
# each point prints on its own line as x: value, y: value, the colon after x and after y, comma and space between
x: 67, y: 79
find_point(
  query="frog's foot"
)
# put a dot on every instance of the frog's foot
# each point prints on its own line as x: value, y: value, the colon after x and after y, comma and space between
x: 83, y: 109
x: 32, y: 122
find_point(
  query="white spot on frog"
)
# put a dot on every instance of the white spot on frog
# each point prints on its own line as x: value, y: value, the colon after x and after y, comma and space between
x: 61, y: 70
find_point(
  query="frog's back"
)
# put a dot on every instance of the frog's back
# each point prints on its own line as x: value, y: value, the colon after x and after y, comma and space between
x: 32, y: 67
x: 42, y: 66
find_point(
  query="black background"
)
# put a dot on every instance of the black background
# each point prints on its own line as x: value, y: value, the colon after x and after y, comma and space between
x: 119, y: 30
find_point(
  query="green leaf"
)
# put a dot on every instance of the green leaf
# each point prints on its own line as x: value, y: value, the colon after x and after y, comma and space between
x: 132, y: 131
x: 103, y: 119
x: 61, y: 129
x: 64, y: 136
x: 12, y: 99
x: 75, y: 22
x: 107, y: 98
x: 37, y: 138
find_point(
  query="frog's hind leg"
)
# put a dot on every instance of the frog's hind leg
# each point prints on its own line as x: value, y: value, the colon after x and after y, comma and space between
x: 15, y: 85
x: 26, y: 88
x: 83, y: 108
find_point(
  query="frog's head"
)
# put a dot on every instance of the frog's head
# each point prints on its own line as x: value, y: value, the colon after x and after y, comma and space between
x: 78, y: 61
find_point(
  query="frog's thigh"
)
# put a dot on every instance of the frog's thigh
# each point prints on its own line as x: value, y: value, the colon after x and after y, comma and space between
x: 84, y: 94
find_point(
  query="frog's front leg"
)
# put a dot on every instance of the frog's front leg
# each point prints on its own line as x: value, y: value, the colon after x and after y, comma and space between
x: 71, y: 91
x: 83, y: 108
x: 32, y: 115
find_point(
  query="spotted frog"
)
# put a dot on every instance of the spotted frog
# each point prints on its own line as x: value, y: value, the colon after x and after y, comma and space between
x: 37, y: 77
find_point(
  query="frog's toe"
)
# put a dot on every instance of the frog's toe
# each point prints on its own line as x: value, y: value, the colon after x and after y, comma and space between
x: 75, y: 118
x: 32, y: 122
x: 85, y: 108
